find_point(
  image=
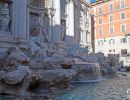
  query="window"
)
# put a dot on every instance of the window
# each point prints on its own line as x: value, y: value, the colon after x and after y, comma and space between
x: 122, y: 3
x: 100, y: 42
x: 122, y: 15
x: 111, y: 41
x: 110, y: 18
x: 110, y: 7
x: 124, y: 52
x: 100, y: 10
x: 100, y: 20
x: 81, y: 36
x: 100, y: 31
x: 123, y: 27
x: 123, y: 40
x: 112, y: 51
x: 111, y: 29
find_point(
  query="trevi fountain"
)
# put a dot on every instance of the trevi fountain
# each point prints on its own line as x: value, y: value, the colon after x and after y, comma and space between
x: 45, y: 54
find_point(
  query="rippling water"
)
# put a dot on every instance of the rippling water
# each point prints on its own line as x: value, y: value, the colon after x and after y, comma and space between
x: 111, y: 89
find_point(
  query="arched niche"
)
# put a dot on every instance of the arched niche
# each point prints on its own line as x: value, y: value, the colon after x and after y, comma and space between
x: 37, y: 7
x: 6, y: 17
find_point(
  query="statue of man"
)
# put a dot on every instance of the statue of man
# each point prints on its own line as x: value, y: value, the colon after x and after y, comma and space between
x: 42, y: 31
x: 5, y: 18
x: 5, y: 9
x: 36, y: 43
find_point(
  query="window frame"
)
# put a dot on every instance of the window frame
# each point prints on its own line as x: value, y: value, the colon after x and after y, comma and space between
x: 99, y: 31
x: 122, y: 28
x: 110, y: 18
x: 122, y: 40
x: 111, y: 5
x: 112, y: 41
x: 121, y: 15
x: 99, y: 21
x: 100, y: 42
x: 121, y: 4
x: 100, y: 10
x: 110, y: 29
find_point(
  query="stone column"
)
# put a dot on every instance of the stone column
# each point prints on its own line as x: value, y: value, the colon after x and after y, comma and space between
x: 20, y: 10
x: 50, y: 27
x: 50, y: 30
x: 70, y: 21
x: 56, y: 22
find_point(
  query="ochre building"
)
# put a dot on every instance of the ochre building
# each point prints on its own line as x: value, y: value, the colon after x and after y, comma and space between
x: 111, y: 26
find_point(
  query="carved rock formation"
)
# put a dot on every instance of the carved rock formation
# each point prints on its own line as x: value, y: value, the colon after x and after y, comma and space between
x: 20, y: 73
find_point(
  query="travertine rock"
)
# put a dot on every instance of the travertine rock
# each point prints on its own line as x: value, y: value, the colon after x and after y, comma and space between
x: 76, y: 51
x: 3, y: 53
x: 87, y: 71
x: 53, y: 65
x: 21, y: 79
x: 51, y: 77
x: 107, y: 64
x: 18, y: 56
x: 2, y: 73
x: 16, y: 76
x: 43, y: 66
x: 59, y: 60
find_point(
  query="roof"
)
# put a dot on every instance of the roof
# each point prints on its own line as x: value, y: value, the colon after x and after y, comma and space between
x: 99, y: 2
x: 87, y: 2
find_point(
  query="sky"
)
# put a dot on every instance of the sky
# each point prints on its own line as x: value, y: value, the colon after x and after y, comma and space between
x: 92, y: 0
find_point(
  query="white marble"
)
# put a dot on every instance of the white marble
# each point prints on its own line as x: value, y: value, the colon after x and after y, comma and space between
x: 20, y: 10
x: 62, y: 20
x: 70, y: 21
x: 5, y: 18
x: 57, y: 24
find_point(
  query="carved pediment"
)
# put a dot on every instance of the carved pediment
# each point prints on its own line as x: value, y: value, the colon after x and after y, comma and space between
x: 37, y: 4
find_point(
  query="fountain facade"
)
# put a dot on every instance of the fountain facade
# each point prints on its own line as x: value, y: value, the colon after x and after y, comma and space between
x: 35, y: 52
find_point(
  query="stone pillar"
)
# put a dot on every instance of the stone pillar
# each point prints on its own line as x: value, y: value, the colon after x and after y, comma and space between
x: 56, y: 22
x: 20, y: 10
x: 50, y: 30
x: 70, y: 21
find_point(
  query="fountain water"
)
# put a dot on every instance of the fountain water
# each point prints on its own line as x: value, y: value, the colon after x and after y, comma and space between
x: 87, y: 72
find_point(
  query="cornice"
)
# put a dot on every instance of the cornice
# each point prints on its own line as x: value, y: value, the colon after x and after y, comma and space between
x: 128, y: 7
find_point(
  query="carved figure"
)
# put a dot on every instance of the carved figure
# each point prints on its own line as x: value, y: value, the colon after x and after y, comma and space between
x: 37, y: 47
x: 5, y: 18
x: 39, y: 29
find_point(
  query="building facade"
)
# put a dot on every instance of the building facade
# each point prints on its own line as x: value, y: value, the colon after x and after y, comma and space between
x: 82, y: 23
x: 111, y: 20
x: 60, y: 20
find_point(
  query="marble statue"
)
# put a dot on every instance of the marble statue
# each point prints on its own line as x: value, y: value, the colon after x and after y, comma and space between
x: 5, y: 9
x: 37, y: 47
x: 42, y: 30
x: 39, y: 29
x: 42, y: 66
x: 5, y: 18
x: 77, y: 51
x: 37, y: 42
